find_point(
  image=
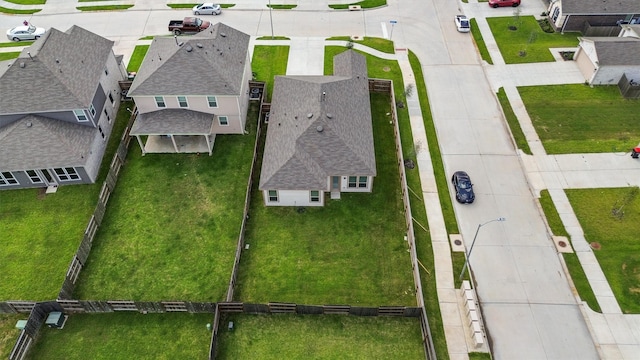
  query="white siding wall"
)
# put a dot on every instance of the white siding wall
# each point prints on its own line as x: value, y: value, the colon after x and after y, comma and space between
x: 292, y: 198
x: 610, y: 75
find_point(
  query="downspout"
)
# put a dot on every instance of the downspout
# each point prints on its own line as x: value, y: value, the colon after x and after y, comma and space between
x: 566, y: 20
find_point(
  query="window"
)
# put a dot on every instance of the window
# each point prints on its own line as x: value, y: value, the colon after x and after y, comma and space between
x: 6, y: 178
x: 362, y: 182
x: 160, y: 102
x: 34, y: 177
x: 67, y: 174
x: 111, y: 99
x: 315, y: 196
x: 358, y: 181
x: 182, y: 101
x: 92, y: 110
x: 223, y: 120
x: 80, y: 115
x: 101, y: 132
x: 273, y: 195
x: 107, y: 115
x: 213, y: 102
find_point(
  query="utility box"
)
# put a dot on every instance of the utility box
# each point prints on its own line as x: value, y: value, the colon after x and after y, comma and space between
x: 55, y: 319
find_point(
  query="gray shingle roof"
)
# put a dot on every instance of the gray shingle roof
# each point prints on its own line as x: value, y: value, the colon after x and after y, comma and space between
x: 319, y: 126
x: 66, y: 144
x: 617, y: 50
x: 172, y: 121
x: 209, y: 63
x: 62, y: 71
x: 600, y: 7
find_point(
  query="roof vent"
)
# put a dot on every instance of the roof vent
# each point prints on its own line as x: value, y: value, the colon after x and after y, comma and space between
x: 29, y: 124
x: 329, y: 116
x: 22, y: 65
x: 199, y: 45
x: 309, y: 115
x: 319, y: 128
x: 57, y: 61
x: 223, y: 34
x: 189, y: 48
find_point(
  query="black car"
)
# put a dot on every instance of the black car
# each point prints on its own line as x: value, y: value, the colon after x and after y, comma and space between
x: 464, y: 188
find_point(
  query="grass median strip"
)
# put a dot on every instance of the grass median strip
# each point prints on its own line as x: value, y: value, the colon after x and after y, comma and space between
x: 18, y: 12
x: 383, y: 45
x: 104, y: 7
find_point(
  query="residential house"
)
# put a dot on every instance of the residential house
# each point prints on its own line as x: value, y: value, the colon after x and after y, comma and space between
x: 579, y: 15
x: 189, y: 89
x: 320, y: 136
x: 58, y: 103
x: 603, y: 60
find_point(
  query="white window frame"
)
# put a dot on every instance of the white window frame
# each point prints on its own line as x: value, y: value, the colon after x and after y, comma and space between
x: 7, y: 179
x: 81, y: 116
x: 314, y: 198
x: 104, y: 138
x: 34, y: 177
x: 92, y: 111
x: 181, y: 100
x: 226, y: 120
x: 67, y: 174
x: 363, y: 184
x: 108, y: 117
x: 214, y: 100
x: 272, y: 198
x: 113, y: 101
x: 355, y: 182
x: 160, y: 101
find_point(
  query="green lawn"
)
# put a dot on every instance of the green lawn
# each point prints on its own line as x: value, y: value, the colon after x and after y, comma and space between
x: 319, y: 337
x: 126, y: 335
x: 365, y: 4
x: 15, y: 44
x: 528, y: 43
x: 581, y: 119
x: 8, y: 332
x: 619, y: 256
x: 282, y: 7
x: 514, y: 124
x: 136, y: 57
x: 9, y: 55
x: 27, y: 2
x: 104, y: 7
x: 38, y: 243
x: 267, y: 62
x: 350, y: 251
x: 480, y: 44
x: 18, y: 12
x: 379, y: 44
x: 191, y: 5
x: 571, y: 259
x: 172, y: 224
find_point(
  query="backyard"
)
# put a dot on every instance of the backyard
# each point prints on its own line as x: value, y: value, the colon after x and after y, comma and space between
x: 171, y: 225
x: 8, y: 332
x: 610, y: 219
x: 582, y: 119
x: 319, y: 337
x: 126, y: 335
x: 527, y: 43
x: 350, y: 251
x: 38, y: 242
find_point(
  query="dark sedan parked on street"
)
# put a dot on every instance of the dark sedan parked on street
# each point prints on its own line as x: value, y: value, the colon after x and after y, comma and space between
x: 464, y: 188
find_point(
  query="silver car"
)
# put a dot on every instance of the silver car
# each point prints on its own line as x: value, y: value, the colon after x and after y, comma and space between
x: 207, y: 9
x: 25, y: 32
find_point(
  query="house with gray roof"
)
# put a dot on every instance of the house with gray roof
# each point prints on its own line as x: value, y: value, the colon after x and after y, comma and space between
x: 604, y: 60
x: 319, y: 136
x: 58, y: 104
x: 579, y: 15
x: 191, y: 88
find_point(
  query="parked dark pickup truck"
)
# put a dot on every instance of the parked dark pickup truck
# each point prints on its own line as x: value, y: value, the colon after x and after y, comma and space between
x: 188, y: 25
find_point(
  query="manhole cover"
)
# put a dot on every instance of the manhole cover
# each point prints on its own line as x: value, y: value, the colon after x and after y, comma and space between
x: 595, y: 245
x: 386, y: 69
x: 457, y: 242
x: 562, y: 243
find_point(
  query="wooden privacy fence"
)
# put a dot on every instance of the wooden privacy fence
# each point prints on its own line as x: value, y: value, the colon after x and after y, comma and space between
x: 291, y: 308
x: 37, y: 317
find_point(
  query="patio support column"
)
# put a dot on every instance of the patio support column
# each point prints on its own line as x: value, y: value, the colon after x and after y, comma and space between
x: 141, y: 144
x: 206, y: 138
x: 175, y: 146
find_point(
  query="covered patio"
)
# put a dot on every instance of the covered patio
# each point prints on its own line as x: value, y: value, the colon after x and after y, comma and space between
x: 174, y: 131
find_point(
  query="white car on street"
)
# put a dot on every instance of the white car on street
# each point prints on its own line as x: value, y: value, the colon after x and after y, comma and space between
x: 25, y: 32
x: 462, y: 23
x: 207, y: 9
